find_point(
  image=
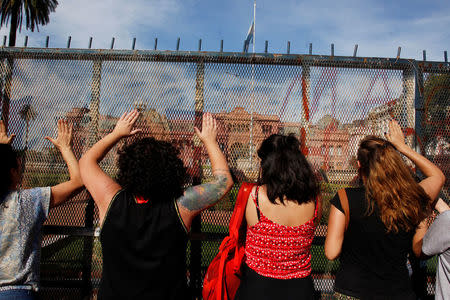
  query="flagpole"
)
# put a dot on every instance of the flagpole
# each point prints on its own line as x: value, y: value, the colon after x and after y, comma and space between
x: 253, y: 87
x: 254, y: 25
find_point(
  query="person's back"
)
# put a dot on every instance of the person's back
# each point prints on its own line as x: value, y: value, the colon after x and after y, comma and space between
x: 144, y: 248
x: 385, y: 220
x: 279, y: 240
x: 288, y: 214
x: 23, y: 212
x: 373, y: 262
x: 146, y: 213
x: 281, y: 216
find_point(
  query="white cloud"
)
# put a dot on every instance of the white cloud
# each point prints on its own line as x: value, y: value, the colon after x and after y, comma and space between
x: 102, y: 20
x: 377, y: 29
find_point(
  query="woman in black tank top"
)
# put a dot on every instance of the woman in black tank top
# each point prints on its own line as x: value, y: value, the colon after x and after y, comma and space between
x: 146, y: 214
x: 386, y: 219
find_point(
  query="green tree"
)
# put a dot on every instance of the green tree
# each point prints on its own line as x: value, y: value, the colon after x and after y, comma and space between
x: 35, y: 13
x: 437, y: 108
x: 27, y: 113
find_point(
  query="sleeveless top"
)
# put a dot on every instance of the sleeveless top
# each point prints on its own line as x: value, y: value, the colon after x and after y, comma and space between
x: 279, y: 251
x: 144, y: 250
x: 372, y: 261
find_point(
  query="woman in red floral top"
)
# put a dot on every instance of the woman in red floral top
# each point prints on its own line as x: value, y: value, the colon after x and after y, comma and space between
x: 281, y: 214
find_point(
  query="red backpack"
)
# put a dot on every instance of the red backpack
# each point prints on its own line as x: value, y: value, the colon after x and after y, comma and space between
x: 222, y: 278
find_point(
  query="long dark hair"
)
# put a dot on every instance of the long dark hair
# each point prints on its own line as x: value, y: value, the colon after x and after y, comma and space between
x: 9, y: 162
x: 151, y: 169
x: 285, y: 171
x: 401, y: 201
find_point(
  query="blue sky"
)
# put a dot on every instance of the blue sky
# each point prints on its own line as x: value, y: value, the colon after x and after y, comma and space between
x: 378, y: 27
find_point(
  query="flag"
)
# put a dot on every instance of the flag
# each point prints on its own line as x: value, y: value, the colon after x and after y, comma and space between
x: 249, y: 38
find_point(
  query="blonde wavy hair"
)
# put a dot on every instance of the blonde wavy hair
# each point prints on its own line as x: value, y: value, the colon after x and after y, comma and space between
x: 401, y: 201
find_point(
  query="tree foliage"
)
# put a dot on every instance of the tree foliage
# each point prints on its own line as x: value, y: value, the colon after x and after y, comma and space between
x: 35, y: 13
x: 436, y: 121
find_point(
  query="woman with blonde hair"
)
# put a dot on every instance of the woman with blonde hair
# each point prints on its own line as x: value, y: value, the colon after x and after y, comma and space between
x: 384, y: 217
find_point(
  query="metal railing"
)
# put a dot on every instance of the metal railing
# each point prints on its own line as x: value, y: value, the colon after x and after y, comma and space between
x: 329, y: 102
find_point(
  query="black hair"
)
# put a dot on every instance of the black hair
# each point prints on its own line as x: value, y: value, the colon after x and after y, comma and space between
x: 151, y: 169
x: 285, y: 170
x: 9, y: 162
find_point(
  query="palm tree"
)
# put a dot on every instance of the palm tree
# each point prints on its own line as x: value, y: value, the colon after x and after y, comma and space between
x: 35, y: 12
x: 27, y: 113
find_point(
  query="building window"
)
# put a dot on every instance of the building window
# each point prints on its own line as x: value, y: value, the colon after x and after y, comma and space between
x: 266, y: 129
x: 339, y: 150
x: 323, y: 150
x: 331, y: 150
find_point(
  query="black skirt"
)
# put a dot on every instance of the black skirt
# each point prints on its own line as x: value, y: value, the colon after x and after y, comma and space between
x: 256, y: 287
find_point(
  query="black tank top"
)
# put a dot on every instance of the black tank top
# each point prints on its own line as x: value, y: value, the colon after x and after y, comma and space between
x: 372, y: 261
x: 144, y: 250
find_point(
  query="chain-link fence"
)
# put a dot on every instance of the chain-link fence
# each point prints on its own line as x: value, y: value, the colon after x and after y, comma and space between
x: 329, y: 102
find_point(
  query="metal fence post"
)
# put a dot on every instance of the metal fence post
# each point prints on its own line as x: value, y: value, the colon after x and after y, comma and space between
x: 419, y: 107
x: 6, y: 95
x: 89, y: 210
x: 407, y: 101
x: 196, y: 250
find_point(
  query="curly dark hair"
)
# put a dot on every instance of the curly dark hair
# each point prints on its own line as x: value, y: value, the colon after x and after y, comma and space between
x: 151, y: 169
x: 285, y: 170
x: 9, y: 161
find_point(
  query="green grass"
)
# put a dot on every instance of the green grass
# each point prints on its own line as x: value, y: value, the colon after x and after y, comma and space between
x: 45, y: 179
x: 65, y: 257
x: 212, y: 228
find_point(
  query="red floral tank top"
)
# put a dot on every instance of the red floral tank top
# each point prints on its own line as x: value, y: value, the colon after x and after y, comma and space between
x: 279, y: 251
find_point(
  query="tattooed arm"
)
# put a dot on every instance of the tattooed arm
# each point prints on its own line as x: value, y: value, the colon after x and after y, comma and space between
x: 200, y: 197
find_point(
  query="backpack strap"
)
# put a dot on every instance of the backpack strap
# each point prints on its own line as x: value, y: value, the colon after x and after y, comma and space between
x: 344, y: 203
x: 239, y: 208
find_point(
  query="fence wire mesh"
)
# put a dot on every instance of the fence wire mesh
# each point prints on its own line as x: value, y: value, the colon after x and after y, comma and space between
x: 329, y: 103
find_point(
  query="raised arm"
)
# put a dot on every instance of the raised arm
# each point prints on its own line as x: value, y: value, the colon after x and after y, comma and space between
x: 200, y: 197
x: 98, y: 183
x: 4, y: 138
x: 432, y: 184
x: 435, y: 178
x: 63, y: 191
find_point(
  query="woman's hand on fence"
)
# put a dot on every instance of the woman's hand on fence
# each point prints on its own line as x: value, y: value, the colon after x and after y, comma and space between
x: 395, y: 135
x: 4, y: 138
x: 208, y: 134
x: 64, y: 139
x: 124, y: 126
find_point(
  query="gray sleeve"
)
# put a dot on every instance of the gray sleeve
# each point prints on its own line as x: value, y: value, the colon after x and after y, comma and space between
x: 45, y: 196
x: 437, y: 238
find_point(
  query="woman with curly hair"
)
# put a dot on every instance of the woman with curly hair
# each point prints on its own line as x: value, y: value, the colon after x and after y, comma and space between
x: 145, y: 215
x: 23, y: 212
x: 282, y: 213
x: 386, y: 219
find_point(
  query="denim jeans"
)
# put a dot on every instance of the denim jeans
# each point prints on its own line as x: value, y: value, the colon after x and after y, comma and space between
x: 18, y: 294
